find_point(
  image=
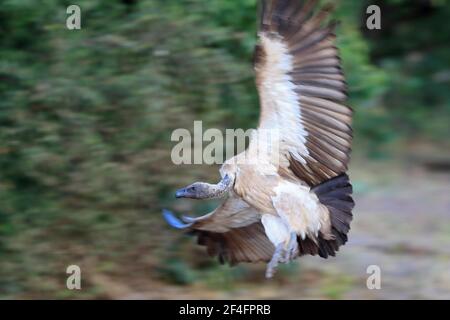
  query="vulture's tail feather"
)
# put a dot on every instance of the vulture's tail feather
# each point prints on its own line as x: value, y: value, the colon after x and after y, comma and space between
x: 336, y: 195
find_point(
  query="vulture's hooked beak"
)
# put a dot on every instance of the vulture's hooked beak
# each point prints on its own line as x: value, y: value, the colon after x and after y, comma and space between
x: 182, y: 193
x: 197, y: 190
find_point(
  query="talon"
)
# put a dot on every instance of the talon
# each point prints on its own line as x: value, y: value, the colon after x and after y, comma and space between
x: 270, y: 270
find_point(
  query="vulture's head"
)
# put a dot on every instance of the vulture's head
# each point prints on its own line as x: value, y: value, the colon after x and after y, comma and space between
x: 202, y: 190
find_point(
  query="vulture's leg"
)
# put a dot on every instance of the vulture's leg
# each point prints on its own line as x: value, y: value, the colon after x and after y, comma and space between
x: 292, y: 248
x: 284, y: 253
x: 284, y: 241
x: 276, y: 259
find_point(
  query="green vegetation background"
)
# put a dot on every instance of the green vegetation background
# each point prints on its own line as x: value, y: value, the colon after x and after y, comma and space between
x: 86, y: 118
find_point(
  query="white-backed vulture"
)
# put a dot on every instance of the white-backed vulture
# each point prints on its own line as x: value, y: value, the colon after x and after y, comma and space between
x: 294, y: 200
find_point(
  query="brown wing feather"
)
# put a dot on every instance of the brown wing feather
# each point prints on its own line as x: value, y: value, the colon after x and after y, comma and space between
x: 247, y: 244
x: 233, y: 232
x: 319, y: 84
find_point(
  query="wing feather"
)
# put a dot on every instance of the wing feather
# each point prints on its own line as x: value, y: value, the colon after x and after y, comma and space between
x: 302, y: 89
x: 247, y: 244
x: 233, y: 232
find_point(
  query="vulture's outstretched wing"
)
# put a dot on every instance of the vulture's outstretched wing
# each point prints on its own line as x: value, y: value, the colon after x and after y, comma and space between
x: 233, y: 232
x: 302, y: 89
x: 247, y: 244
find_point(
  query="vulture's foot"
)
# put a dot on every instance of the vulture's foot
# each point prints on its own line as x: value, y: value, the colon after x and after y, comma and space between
x: 292, y: 248
x: 276, y: 259
x: 284, y: 253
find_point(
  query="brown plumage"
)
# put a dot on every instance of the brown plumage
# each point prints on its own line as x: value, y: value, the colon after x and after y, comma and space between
x: 320, y: 84
x: 295, y: 200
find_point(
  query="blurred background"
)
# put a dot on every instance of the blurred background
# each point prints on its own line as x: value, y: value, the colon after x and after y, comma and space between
x: 85, y: 123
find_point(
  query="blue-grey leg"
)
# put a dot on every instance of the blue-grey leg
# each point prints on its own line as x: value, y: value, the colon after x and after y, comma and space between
x: 292, y: 248
x: 276, y: 259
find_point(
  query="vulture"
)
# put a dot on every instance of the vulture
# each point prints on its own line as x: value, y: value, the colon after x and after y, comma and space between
x: 295, y: 199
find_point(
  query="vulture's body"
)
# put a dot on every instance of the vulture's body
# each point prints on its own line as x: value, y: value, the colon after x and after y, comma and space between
x: 293, y: 199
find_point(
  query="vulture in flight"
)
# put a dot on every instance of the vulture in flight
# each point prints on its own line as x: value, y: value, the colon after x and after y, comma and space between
x: 295, y: 200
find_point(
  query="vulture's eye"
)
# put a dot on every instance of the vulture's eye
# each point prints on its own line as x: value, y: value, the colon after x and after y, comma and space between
x: 191, y: 189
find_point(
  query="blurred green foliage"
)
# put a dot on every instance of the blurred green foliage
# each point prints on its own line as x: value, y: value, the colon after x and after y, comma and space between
x: 86, y: 116
x: 413, y: 48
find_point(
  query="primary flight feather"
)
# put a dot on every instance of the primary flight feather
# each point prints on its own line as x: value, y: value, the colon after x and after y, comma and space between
x: 287, y: 195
